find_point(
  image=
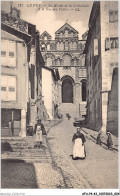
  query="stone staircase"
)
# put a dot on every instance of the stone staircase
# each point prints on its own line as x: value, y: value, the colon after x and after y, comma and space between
x: 18, y: 148
x: 72, y: 109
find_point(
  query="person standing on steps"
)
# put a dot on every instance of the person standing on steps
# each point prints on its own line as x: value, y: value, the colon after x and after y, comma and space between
x: 39, y: 131
x: 99, y: 138
x: 109, y: 141
x: 78, y: 148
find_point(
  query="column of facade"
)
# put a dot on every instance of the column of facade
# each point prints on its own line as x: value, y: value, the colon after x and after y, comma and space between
x: 23, y: 130
x: 77, y: 94
x: 104, y: 111
x: 80, y: 98
x: 80, y: 91
x: 74, y: 93
x: 82, y: 103
x: 77, y: 99
x: 33, y: 105
x: 59, y: 93
x: 23, y: 123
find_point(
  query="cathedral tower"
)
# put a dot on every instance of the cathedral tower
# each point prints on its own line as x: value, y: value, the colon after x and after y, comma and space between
x: 66, y: 54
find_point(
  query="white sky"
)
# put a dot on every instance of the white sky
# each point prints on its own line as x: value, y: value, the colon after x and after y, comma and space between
x: 51, y: 21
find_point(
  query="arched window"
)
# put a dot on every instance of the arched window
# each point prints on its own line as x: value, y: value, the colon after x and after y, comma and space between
x: 71, y: 34
x: 48, y: 46
x: 75, y: 61
x: 43, y: 47
x: 52, y: 46
x: 67, y: 91
x: 58, y: 62
x: 66, y: 45
x: 58, y: 46
x: 49, y: 61
x: 74, y: 46
x: 53, y: 62
x: 66, y: 33
x: 71, y: 45
x: 61, y: 46
x: 45, y: 38
x: 84, y: 90
x: 61, y: 34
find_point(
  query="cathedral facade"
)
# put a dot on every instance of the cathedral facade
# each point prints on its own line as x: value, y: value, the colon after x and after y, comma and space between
x: 65, y: 53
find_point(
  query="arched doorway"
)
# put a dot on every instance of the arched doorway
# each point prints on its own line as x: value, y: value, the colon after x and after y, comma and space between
x: 67, y: 91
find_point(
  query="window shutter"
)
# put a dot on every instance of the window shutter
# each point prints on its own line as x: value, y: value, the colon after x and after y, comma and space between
x: 107, y: 44
x: 111, y: 16
x: 116, y: 43
x: 9, y: 88
x: 12, y: 53
x: 116, y: 16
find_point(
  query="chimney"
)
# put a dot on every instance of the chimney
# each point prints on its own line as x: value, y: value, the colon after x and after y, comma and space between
x: 15, y: 12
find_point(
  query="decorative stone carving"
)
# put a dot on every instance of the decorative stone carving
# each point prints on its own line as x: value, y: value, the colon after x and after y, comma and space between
x: 45, y: 36
x: 66, y: 67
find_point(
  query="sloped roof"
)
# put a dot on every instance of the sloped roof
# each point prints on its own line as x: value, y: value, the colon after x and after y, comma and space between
x: 16, y: 26
x: 45, y: 33
x: 85, y: 34
x: 65, y: 26
x: 5, y: 34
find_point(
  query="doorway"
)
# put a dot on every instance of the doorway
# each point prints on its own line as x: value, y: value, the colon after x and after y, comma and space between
x: 67, y: 91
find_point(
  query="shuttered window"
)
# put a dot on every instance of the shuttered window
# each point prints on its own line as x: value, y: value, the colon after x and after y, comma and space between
x: 8, y: 88
x: 111, y: 43
x: 8, y: 53
x: 113, y: 16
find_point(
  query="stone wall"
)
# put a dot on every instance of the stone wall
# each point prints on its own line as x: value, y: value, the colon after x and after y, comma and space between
x: 65, y: 53
x: 21, y: 79
x: 112, y: 113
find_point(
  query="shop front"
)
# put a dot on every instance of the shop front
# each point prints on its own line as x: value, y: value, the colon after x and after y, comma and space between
x: 10, y: 122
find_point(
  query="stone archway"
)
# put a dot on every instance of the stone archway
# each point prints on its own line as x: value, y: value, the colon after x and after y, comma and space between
x: 67, y: 90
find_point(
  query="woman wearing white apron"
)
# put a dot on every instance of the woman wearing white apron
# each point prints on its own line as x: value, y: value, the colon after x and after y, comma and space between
x: 38, y: 137
x: 78, y: 148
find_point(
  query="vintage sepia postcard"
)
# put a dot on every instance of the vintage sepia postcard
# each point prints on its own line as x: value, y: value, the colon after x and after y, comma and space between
x: 59, y: 98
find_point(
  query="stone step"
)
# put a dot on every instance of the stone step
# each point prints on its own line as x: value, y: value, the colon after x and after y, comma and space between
x: 24, y: 155
x: 72, y: 109
x: 28, y: 159
x: 24, y: 148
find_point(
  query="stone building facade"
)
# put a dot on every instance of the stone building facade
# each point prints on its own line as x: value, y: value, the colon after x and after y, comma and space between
x: 102, y: 67
x: 66, y: 54
x: 49, y: 91
x: 21, y: 64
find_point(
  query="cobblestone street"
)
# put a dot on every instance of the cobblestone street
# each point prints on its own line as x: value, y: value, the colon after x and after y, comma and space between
x: 24, y: 166
x: 59, y: 97
x: 52, y: 167
x: 98, y: 170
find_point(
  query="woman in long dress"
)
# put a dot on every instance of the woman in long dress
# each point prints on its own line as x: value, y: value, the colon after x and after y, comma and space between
x: 38, y: 138
x: 78, y: 148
